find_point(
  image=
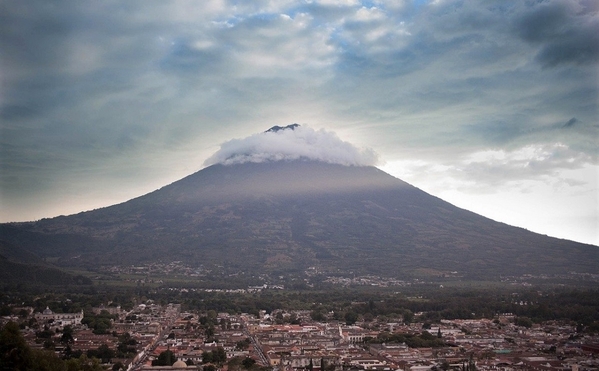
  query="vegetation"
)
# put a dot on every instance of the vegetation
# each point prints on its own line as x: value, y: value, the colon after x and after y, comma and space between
x: 528, y: 305
x: 15, y: 354
x: 126, y: 345
x: 244, y: 364
x: 100, y: 323
x: 243, y: 344
x: 218, y: 356
x: 103, y: 352
x: 166, y: 358
x: 435, y: 304
x: 11, y: 271
x: 347, y: 305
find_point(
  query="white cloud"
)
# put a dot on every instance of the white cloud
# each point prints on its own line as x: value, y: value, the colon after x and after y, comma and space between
x: 300, y: 143
x: 549, y: 189
x: 283, y: 46
x: 483, y: 172
x: 533, y: 161
x: 337, y: 2
x: 369, y: 14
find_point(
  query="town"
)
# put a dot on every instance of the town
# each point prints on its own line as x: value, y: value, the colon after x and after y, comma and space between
x: 151, y: 336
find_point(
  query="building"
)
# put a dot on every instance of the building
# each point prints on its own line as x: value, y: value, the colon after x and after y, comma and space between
x: 59, y: 319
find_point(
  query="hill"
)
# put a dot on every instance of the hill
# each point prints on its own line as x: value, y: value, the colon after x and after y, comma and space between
x: 20, y: 266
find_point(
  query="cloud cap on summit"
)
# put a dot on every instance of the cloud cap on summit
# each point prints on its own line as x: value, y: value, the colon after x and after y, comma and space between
x: 292, y: 143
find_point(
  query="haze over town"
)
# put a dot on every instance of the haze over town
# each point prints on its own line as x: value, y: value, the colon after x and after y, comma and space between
x: 490, y: 106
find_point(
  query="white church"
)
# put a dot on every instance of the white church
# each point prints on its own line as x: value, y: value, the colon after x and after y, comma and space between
x: 59, y: 319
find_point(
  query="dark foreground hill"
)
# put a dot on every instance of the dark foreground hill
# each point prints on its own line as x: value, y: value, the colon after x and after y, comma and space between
x: 290, y: 215
x: 18, y: 266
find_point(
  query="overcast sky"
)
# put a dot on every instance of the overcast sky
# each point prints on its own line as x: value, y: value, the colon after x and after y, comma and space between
x: 492, y: 106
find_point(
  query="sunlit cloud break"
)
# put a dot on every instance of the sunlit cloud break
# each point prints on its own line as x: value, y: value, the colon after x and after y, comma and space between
x: 293, y: 143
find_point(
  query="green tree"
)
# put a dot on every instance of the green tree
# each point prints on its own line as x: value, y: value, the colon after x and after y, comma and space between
x: 45, y: 334
x: 219, y: 355
x: 14, y: 352
x: 84, y: 363
x: 408, y: 316
x: 49, y: 344
x: 67, y: 335
x: 209, y: 332
x: 351, y: 317
x: 248, y: 362
x: 317, y: 316
x: 216, y: 356
x: 166, y: 358
x: 207, y: 357
x: 126, y: 345
x: 100, y: 323
x: 103, y: 352
x: 524, y: 321
x: 47, y: 360
x: 293, y: 319
x: 243, y: 344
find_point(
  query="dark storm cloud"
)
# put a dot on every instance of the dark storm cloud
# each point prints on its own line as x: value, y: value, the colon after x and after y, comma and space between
x: 32, y: 38
x: 564, y: 31
x: 571, y: 122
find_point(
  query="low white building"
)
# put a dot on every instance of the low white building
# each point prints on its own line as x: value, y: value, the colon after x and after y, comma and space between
x: 59, y: 319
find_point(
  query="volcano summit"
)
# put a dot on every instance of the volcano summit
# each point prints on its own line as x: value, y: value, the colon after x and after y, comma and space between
x: 292, y: 198
x: 292, y: 142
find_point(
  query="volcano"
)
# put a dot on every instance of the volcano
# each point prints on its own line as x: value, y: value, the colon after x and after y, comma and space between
x: 286, y: 216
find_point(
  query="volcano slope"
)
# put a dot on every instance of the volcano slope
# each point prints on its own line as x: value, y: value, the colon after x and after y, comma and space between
x: 286, y: 216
